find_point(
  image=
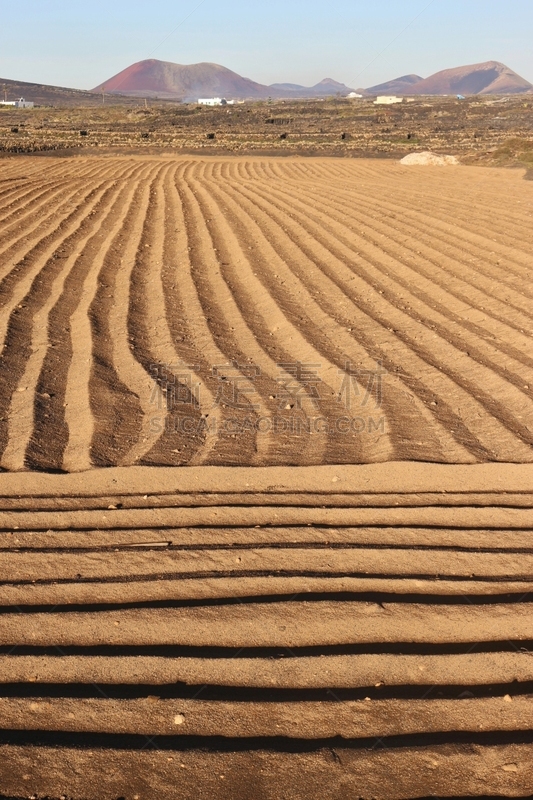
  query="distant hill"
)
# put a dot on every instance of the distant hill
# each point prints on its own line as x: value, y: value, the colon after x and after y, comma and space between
x: 491, y: 77
x: 167, y: 81
x: 163, y: 79
x: 287, y: 87
x: 153, y: 78
x: 401, y: 85
x: 325, y: 88
x: 44, y: 95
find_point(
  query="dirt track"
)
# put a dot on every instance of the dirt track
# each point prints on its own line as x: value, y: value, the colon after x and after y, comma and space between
x: 322, y: 625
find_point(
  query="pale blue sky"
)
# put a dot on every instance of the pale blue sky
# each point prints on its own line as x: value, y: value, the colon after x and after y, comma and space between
x: 81, y: 44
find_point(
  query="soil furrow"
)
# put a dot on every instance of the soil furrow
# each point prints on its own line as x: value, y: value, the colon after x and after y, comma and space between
x: 210, y: 286
x: 453, y: 272
x: 303, y: 720
x: 154, y: 348
x: 375, y: 770
x: 207, y: 588
x: 249, y: 516
x: 26, y: 300
x: 400, y: 477
x: 405, y: 411
x: 467, y: 539
x: 234, y: 377
x: 461, y: 207
x: 41, y: 567
x: 327, y: 672
x: 74, y: 350
x: 430, y: 262
x: 284, y: 624
x: 509, y: 363
x: 19, y: 257
x: 194, y: 500
x: 370, y: 299
x: 122, y: 394
x: 29, y: 229
x: 232, y: 287
x: 189, y: 333
x: 371, y: 441
x: 42, y: 422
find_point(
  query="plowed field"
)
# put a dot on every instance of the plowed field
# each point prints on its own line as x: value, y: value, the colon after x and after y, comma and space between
x: 177, y: 625
x: 275, y: 633
x: 170, y: 312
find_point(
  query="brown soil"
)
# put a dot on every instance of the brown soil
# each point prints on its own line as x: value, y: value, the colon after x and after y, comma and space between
x: 183, y: 633
x: 256, y: 576
x: 208, y: 311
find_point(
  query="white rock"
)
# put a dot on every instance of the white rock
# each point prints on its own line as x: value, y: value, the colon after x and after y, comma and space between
x: 427, y: 159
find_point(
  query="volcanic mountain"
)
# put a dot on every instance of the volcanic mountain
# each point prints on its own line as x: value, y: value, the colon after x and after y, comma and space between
x: 153, y: 78
x: 401, y: 85
x: 491, y: 77
x: 165, y: 80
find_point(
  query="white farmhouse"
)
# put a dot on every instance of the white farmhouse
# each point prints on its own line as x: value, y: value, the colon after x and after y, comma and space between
x: 212, y: 101
x: 20, y: 103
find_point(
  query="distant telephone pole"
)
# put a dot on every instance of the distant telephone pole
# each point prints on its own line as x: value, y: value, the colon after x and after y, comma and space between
x: 5, y: 92
x: 103, y: 95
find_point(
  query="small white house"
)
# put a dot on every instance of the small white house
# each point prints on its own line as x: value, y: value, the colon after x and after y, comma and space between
x: 353, y: 95
x: 387, y: 100
x: 20, y: 103
x: 213, y: 101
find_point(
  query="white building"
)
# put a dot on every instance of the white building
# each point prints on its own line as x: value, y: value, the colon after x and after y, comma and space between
x: 387, y: 100
x: 214, y: 101
x: 20, y: 103
x: 353, y: 95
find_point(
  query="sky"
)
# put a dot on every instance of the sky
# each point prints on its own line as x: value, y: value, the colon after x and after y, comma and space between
x: 357, y: 42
